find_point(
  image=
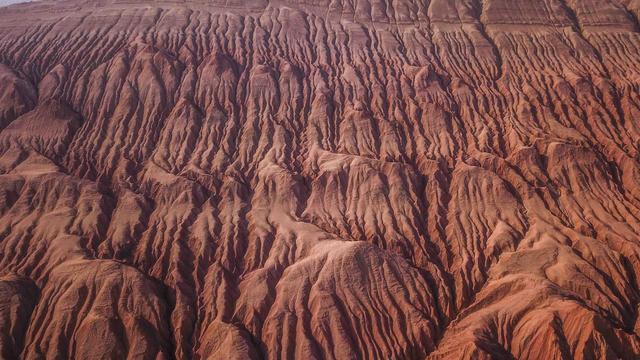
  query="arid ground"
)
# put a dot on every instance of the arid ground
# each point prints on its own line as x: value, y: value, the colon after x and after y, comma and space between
x: 320, y: 179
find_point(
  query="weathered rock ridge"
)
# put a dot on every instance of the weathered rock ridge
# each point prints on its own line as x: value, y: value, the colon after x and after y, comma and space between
x: 344, y: 179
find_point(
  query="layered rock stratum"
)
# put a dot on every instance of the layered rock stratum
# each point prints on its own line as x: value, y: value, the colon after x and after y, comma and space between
x: 320, y: 179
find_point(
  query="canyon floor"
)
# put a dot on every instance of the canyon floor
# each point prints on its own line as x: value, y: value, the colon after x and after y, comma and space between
x: 320, y: 179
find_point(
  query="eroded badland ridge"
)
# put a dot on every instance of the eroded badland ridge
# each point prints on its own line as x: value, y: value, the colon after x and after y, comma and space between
x: 444, y: 179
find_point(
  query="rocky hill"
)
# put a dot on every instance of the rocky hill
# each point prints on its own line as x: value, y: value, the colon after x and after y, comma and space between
x: 320, y: 179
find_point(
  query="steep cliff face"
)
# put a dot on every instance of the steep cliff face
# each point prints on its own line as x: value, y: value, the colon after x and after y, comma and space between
x: 339, y: 179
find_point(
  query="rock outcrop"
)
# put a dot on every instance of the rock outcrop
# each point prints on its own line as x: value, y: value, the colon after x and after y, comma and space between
x: 320, y: 179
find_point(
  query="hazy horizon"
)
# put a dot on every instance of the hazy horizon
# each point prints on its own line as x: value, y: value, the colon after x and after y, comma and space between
x: 9, y: 2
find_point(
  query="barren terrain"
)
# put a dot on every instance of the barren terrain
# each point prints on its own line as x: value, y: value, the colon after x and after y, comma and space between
x: 320, y: 179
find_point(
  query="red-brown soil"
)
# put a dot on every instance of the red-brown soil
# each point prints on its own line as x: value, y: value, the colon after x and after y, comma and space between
x: 344, y: 179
